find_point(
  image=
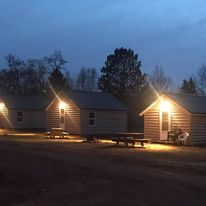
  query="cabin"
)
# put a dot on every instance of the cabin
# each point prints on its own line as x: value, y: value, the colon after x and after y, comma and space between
x: 23, y: 112
x: 85, y: 113
x: 170, y: 111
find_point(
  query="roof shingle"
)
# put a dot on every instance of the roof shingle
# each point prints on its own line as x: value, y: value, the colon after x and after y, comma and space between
x: 31, y: 102
x: 95, y: 100
x: 192, y: 103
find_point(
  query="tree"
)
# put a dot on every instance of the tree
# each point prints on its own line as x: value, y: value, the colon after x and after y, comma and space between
x: 200, y: 80
x: 57, y: 80
x: 188, y: 86
x: 29, y: 78
x: 13, y: 75
x: 122, y: 73
x: 3, y: 82
x: 159, y: 80
x: 56, y: 61
x: 87, y: 79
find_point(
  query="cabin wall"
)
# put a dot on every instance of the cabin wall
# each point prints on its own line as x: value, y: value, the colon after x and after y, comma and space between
x: 179, y: 118
x: 31, y: 119
x: 53, y: 116
x: 72, y: 116
x: 198, y: 129
x: 152, y: 124
x: 4, y: 117
x: 106, y: 122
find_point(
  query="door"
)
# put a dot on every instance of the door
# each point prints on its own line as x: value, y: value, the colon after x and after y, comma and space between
x: 165, y: 124
x: 62, y: 118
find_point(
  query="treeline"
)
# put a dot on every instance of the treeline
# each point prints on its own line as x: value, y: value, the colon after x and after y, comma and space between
x: 37, y: 76
x: 121, y: 75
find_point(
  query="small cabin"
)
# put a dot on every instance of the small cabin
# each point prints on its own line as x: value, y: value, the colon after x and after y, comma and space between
x: 170, y: 111
x: 85, y: 113
x: 23, y: 112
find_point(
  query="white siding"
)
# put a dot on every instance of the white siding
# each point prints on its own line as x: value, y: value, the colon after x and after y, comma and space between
x: 72, y: 116
x: 106, y: 121
x: 4, y: 118
x: 198, y: 129
x: 31, y: 119
x: 179, y: 118
x: 151, y: 124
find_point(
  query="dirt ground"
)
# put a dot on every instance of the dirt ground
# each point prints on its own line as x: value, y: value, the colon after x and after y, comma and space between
x: 40, y: 171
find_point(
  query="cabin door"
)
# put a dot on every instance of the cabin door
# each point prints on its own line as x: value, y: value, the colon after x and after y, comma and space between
x: 62, y: 118
x: 165, y: 124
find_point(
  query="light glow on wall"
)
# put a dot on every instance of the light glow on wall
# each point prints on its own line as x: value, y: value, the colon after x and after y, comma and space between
x: 165, y: 106
x: 62, y: 105
x: 2, y: 106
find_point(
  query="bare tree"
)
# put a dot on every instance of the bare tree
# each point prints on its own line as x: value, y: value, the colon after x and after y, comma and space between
x: 159, y: 80
x: 56, y: 60
x: 87, y: 79
x: 14, y: 74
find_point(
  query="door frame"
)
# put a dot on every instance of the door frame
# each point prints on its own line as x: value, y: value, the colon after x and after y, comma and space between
x: 62, y: 115
x: 163, y: 134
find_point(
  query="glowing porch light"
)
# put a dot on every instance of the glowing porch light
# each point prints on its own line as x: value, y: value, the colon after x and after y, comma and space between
x: 2, y: 105
x: 62, y: 105
x: 165, y: 106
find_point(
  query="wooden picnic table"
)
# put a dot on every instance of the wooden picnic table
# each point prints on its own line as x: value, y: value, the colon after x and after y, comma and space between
x: 136, y: 135
x: 130, y: 140
x: 57, y: 132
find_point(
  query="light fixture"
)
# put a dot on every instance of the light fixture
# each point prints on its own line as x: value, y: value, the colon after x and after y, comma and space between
x: 165, y: 106
x: 62, y: 105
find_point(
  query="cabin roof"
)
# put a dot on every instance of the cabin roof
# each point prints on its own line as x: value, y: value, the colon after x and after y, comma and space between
x: 95, y: 100
x: 30, y: 102
x: 192, y: 103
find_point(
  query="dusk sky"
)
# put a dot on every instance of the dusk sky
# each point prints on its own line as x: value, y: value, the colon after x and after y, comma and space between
x: 165, y: 32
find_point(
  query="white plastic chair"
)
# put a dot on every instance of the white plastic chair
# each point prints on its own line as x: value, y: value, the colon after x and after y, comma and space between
x: 183, y: 138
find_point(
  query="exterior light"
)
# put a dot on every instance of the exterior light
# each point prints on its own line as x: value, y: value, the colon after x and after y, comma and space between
x: 165, y: 106
x: 62, y: 105
x: 2, y: 105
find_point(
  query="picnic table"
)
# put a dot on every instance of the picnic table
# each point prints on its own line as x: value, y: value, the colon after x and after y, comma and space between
x: 135, y: 135
x: 130, y: 140
x: 57, y: 132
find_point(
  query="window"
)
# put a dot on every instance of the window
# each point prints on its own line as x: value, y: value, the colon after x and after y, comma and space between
x: 91, y: 118
x: 19, y: 116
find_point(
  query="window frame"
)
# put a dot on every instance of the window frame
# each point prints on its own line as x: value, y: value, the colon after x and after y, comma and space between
x: 92, y: 119
x: 19, y: 116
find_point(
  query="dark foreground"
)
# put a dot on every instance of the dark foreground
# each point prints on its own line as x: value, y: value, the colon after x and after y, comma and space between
x: 37, y: 171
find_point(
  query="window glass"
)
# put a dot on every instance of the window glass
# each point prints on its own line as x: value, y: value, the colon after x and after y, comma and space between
x: 91, y: 115
x: 19, y: 116
x: 91, y: 118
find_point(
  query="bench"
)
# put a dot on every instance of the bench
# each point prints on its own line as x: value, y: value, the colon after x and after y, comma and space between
x: 57, y: 132
x: 130, y: 140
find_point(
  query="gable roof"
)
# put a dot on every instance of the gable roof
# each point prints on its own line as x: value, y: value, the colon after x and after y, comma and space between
x: 192, y: 103
x: 30, y: 102
x: 95, y: 100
